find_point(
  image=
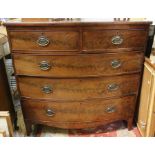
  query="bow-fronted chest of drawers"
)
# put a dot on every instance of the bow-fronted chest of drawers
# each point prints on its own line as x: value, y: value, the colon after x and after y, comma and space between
x: 77, y: 74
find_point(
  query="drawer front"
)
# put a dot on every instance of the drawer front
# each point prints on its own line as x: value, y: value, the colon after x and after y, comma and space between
x: 113, y: 39
x: 89, y: 111
x: 44, y: 40
x: 78, y: 65
x: 78, y: 89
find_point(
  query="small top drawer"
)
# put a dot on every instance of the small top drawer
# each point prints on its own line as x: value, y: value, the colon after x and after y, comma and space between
x: 44, y: 40
x: 113, y: 39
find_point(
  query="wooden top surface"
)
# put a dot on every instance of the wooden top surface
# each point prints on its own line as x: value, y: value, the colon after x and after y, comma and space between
x: 68, y: 21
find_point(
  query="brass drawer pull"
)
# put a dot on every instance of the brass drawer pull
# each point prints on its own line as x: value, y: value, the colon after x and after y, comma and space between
x: 116, y: 63
x: 47, y: 89
x: 44, y: 65
x: 43, y: 41
x: 111, y: 109
x: 50, y: 112
x: 117, y: 40
x: 113, y: 87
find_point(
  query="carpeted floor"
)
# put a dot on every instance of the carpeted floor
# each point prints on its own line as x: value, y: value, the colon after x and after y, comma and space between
x: 97, y: 132
x: 117, y: 129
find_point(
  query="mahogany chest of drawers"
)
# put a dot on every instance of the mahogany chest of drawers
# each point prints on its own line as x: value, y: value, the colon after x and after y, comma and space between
x: 77, y: 74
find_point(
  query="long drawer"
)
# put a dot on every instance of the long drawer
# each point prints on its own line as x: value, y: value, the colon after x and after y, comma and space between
x: 78, y: 65
x: 114, y: 39
x: 78, y: 89
x: 45, y: 40
x: 88, y: 111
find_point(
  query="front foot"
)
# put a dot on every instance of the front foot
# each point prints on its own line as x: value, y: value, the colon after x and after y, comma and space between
x: 28, y: 126
x: 130, y: 124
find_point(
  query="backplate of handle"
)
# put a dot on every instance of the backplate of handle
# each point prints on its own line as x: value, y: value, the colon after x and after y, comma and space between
x: 47, y: 89
x: 117, y: 40
x: 113, y: 87
x: 50, y: 112
x: 116, y: 63
x: 44, y: 65
x: 110, y: 109
x: 43, y: 41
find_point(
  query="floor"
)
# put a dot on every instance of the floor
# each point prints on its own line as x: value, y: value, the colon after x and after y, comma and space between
x: 111, y: 130
x: 96, y: 132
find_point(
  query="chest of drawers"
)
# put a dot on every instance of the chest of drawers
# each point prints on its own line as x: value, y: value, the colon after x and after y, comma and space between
x: 78, y: 74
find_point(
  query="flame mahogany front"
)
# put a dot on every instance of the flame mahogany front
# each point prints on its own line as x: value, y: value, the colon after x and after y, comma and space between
x: 78, y: 74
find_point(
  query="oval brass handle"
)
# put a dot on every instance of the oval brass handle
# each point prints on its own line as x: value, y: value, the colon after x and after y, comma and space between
x: 44, y: 65
x: 116, y: 63
x: 43, y: 41
x: 110, y: 109
x: 113, y: 87
x: 47, y: 89
x: 50, y: 112
x: 117, y: 40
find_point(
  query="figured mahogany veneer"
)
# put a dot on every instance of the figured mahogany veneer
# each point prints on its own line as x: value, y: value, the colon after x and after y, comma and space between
x: 58, y: 40
x: 83, y: 65
x: 78, y: 74
x: 101, y: 39
x: 78, y: 89
x: 81, y: 113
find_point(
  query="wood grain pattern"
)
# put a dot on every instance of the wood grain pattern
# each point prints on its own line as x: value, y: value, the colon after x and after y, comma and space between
x: 79, y: 112
x: 78, y: 65
x: 146, y: 115
x: 100, y: 40
x: 58, y: 40
x: 78, y: 89
x: 79, y: 22
x: 144, y: 100
x: 80, y: 54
